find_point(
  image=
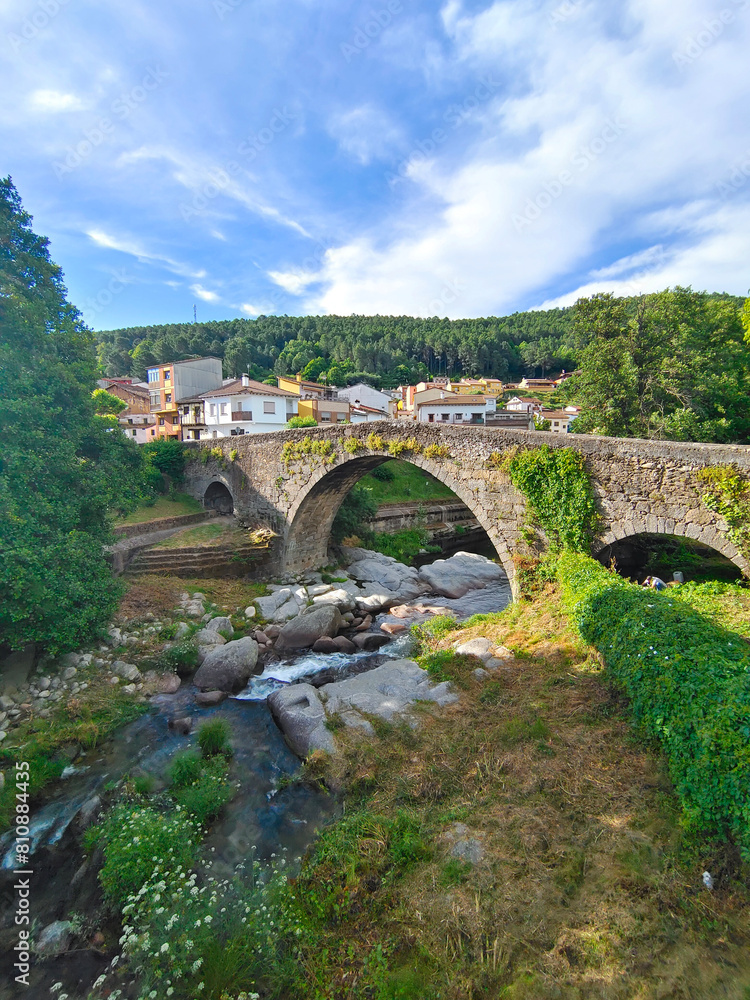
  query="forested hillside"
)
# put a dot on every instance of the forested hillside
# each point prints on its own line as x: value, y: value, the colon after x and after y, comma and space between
x: 396, y: 348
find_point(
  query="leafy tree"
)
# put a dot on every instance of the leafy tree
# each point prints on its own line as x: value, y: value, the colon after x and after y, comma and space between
x: 166, y: 455
x: 357, y: 508
x: 106, y: 402
x: 59, y: 470
x: 673, y: 365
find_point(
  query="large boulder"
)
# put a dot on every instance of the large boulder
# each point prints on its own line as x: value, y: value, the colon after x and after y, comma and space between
x: 462, y: 572
x: 342, y: 599
x: 207, y: 640
x: 229, y: 667
x: 269, y: 605
x: 300, y: 715
x: 386, y: 691
x: 54, y: 939
x: 388, y: 573
x: 301, y: 632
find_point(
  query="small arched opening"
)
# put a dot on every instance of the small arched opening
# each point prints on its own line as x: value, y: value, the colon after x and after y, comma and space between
x: 218, y: 497
x: 668, y: 557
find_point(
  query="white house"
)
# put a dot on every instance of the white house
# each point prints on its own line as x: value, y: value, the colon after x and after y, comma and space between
x: 529, y: 405
x: 559, y: 420
x: 359, y: 414
x: 454, y: 409
x: 139, y: 427
x: 244, y: 406
x: 362, y: 394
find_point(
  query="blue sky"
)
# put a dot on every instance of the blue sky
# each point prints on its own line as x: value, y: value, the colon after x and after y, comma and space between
x: 399, y: 156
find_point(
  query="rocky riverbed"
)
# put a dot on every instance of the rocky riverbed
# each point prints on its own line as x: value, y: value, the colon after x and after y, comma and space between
x: 323, y: 644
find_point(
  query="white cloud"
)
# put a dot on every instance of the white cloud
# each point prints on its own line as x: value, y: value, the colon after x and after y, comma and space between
x: 54, y: 101
x: 604, y: 140
x: 294, y: 282
x: 204, y: 293
x: 131, y: 247
x: 247, y: 309
x: 365, y: 133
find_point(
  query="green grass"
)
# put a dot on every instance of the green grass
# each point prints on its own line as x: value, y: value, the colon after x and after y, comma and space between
x: 179, y: 504
x: 409, y: 484
x: 204, y: 534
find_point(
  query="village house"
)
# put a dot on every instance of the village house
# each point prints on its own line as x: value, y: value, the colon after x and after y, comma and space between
x: 241, y: 406
x: 361, y: 394
x: 171, y: 384
x: 451, y: 408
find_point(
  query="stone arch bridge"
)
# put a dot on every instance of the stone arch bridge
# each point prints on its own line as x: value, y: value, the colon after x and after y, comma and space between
x: 294, y: 482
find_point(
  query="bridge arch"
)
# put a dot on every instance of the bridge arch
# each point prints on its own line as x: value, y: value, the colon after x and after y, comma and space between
x: 704, y: 534
x: 311, y: 517
x: 218, y: 496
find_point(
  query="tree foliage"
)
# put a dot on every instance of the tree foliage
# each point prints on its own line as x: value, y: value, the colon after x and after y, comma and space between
x: 673, y: 365
x: 62, y: 467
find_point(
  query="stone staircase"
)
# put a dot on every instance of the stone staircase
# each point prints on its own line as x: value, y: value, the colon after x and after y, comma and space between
x: 232, y: 559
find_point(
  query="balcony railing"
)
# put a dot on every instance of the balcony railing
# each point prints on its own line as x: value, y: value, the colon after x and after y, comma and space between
x: 242, y: 415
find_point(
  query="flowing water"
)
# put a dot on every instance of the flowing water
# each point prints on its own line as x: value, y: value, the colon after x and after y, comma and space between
x: 261, y: 819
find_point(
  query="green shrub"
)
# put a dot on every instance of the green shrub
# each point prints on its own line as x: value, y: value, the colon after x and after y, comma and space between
x: 184, y: 769
x: 688, y: 681
x: 435, y: 628
x: 213, y: 738
x: 182, y: 658
x: 384, y: 473
x: 301, y: 422
x: 206, y: 796
x: 357, y: 508
x: 437, y: 451
x: 167, y: 456
x: 136, y: 839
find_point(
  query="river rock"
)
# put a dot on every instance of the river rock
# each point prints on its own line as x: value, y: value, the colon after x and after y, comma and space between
x: 342, y: 599
x: 210, y: 697
x: 370, y: 641
x: 260, y: 636
x: 182, y: 630
x: 229, y: 667
x: 220, y: 624
x: 462, y: 572
x: 183, y: 726
x: 166, y: 683
x: 305, y: 629
x: 272, y: 631
x: 250, y: 611
x: 207, y: 640
x: 269, y: 605
x: 289, y: 609
x: 325, y: 645
x: 299, y: 714
x: 128, y: 671
x: 321, y: 588
x: 344, y: 645
x: 55, y: 938
x: 475, y: 647
x: 386, y: 691
x: 393, y: 628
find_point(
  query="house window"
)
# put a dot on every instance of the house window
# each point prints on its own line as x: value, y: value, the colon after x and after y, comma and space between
x: 223, y: 409
x: 155, y: 398
x: 212, y: 409
x: 325, y: 418
x: 459, y: 416
x: 269, y: 406
x: 445, y: 416
x: 153, y: 375
x: 167, y: 397
x: 152, y: 433
x: 430, y: 418
x: 167, y: 375
x: 134, y: 433
x: 161, y: 421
